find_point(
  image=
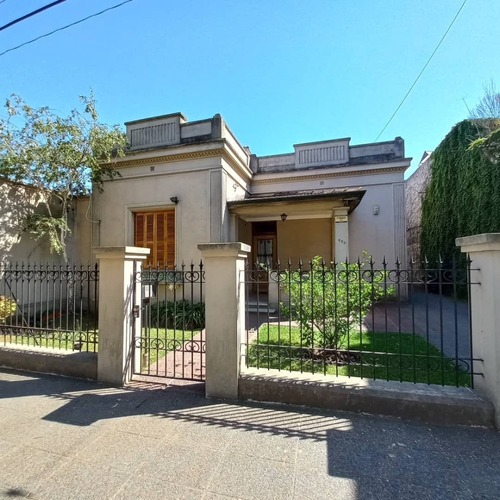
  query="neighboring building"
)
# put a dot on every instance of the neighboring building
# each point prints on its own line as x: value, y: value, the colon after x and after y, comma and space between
x: 184, y: 183
x: 416, y: 186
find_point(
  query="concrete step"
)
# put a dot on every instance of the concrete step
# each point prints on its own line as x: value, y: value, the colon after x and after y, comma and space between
x: 260, y: 307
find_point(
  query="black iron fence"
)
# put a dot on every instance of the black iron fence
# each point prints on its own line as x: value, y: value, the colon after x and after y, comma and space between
x: 359, y: 320
x: 171, y: 341
x: 46, y: 305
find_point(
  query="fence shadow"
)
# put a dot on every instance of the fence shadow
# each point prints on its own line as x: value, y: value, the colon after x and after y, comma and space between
x: 358, y: 450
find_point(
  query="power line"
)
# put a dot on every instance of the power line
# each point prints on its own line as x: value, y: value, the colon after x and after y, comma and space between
x: 64, y: 27
x: 37, y: 11
x: 421, y: 71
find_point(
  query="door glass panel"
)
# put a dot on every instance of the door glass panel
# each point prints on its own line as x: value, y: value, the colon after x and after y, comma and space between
x: 265, y: 252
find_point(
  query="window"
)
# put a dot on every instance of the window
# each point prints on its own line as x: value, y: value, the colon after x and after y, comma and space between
x: 156, y: 230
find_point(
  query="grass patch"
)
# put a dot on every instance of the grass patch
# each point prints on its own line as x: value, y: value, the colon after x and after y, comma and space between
x: 70, y: 341
x: 386, y: 356
x: 68, y: 332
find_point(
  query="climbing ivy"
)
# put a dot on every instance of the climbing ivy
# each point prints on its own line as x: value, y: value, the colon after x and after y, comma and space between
x: 463, y: 196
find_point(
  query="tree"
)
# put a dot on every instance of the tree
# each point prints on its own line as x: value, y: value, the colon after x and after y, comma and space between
x: 489, y: 104
x: 63, y: 157
x: 487, y: 108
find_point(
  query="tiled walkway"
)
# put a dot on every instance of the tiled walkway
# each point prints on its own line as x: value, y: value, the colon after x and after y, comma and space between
x: 65, y: 438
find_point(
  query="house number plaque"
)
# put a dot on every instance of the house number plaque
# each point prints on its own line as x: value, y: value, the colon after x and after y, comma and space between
x: 341, y: 218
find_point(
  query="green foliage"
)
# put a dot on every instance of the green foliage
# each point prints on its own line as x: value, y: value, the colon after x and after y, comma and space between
x: 489, y: 146
x: 327, y: 302
x: 7, y: 307
x: 42, y: 225
x: 463, y: 196
x: 179, y: 314
x: 62, y: 157
x: 382, y: 355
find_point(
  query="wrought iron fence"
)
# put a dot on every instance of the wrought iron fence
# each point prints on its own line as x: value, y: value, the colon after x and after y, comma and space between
x: 359, y: 320
x: 171, y: 341
x: 46, y: 305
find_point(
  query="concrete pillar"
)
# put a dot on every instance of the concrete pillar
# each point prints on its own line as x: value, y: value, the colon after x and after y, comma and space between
x: 224, y: 315
x: 484, y: 251
x: 116, y: 316
x: 341, y: 234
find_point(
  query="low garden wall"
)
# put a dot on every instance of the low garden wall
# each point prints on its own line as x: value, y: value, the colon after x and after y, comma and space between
x: 45, y: 360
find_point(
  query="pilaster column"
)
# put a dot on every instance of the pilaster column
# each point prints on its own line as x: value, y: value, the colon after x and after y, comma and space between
x: 484, y: 252
x: 117, y: 318
x: 224, y: 315
x: 341, y: 244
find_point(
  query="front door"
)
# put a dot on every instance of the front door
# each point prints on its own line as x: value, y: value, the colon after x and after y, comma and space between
x: 264, y: 252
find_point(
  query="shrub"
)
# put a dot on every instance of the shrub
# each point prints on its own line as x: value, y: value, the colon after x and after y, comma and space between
x: 180, y: 314
x: 7, y: 307
x: 327, y: 301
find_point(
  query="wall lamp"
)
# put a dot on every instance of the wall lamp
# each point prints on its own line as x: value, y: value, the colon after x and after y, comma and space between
x: 283, y: 217
x: 174, y: 199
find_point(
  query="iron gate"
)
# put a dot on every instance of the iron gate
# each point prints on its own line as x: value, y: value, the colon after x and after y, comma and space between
x: 171, y: 341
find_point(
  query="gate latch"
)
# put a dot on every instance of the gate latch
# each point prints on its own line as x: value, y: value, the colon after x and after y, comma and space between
x: 135, y: 311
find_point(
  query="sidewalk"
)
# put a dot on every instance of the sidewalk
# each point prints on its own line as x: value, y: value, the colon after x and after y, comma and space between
x: 66, y: 438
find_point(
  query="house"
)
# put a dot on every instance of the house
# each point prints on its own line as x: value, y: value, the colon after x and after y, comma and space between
x: 183, y: 183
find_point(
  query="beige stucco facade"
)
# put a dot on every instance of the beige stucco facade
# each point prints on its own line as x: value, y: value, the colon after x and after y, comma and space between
x: 17, y: 201
x: 326, y: 198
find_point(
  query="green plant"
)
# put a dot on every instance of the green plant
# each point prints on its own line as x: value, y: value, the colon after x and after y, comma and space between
x: 7, y: 307
x: 463, y: 196
x: 180, y: 314
x: 328, y: 301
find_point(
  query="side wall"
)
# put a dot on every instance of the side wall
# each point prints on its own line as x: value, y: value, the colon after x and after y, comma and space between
x: 416, y: 186
x: 17, y: 201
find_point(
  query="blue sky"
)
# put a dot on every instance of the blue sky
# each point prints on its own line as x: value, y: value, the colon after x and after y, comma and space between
x: 279, y: 72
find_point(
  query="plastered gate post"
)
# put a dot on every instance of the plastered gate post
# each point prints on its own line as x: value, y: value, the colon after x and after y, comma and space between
x: 224, y: 315
x: 484, y: 252
x: 117, y: 318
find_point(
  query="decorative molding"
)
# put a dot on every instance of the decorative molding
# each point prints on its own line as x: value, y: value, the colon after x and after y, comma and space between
x: 192, y: 155
x: 332, y: 174
x: 334, y: 154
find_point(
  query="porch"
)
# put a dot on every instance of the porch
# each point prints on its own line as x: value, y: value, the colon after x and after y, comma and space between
x: 294, y: 225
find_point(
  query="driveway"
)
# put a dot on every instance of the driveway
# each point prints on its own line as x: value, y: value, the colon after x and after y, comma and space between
x: 442, y: 320
x: 66, y: 438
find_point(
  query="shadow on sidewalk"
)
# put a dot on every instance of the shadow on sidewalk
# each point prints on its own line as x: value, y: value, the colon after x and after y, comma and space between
x: 361, y: 450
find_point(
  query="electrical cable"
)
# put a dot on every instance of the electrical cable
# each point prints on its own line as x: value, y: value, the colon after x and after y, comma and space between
x: 26, y: 16
x: 65, y: 27
x: 421, y: 71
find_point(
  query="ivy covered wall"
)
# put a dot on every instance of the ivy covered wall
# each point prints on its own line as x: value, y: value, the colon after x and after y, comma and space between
x: 463, y: 196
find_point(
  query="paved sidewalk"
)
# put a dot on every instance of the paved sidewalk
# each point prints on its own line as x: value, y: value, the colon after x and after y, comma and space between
x: 66, y: 438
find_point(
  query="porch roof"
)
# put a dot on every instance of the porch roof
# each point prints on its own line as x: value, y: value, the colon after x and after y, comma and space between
x: 351, y: 195
x: 304, y: 201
